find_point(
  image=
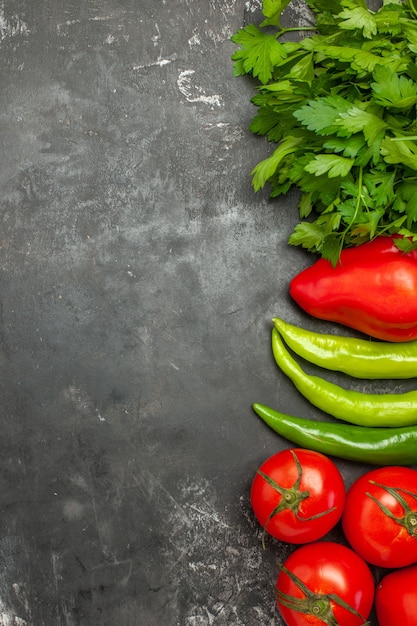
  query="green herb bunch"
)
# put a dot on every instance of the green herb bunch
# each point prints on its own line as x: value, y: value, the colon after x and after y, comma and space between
x: 340, y: 101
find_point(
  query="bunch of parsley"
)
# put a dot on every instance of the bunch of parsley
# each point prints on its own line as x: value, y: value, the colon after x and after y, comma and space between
x: 340, y: 101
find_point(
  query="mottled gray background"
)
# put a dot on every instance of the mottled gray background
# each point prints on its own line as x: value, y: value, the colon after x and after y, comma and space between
x: 138, y: 276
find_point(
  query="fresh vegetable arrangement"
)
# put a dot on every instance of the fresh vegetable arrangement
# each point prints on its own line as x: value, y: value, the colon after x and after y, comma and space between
x: 339, y: 98
x: 379, y: 517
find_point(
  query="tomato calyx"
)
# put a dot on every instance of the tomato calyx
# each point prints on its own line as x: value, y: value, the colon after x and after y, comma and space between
x: 315, y: 604
x: 409, y: 519
x: 291, y: 497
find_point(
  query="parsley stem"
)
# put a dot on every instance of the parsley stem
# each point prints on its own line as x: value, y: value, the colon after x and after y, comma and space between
x: 358, y: 204
x: 413, y: 8
x: 295, y: 29
x: 359, y: 196
x: 404, y: 138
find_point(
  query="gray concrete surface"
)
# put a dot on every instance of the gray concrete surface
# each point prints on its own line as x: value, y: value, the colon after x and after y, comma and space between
x: 139, y: 273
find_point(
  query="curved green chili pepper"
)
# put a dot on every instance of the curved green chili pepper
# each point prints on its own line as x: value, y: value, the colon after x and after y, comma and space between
x: 377, y: 446
x: 360, y: 358
x: 364, y: 409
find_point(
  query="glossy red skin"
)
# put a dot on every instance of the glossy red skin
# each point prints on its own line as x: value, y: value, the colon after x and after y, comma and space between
x: 396, y: 598
x: 328, y: 567
x: 372, y: 289
x: 320, y: 477
x: 378, y: 539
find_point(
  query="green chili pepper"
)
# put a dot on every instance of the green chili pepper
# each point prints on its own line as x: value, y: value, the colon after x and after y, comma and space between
x: 359, y: 358
x: 364, y: 409
x: 378, y: 446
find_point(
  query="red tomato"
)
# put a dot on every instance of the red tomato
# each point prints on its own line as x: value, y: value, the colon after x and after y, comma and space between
x: 325, y: 583
x: 298, y: 495
x: 380, y: 516
x: 396, y: 598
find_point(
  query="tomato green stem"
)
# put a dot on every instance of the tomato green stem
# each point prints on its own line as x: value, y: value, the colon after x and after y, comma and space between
x: 291, y: 497
x: 317, y: 604
x: 409, y: 519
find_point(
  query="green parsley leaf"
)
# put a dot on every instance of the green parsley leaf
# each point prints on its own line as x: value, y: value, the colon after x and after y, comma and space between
x: 303, y: 70
x: 258, y: 54
x: 272, y: 10
x: 284, y: 91
x: 264, y: 170
x: 321, y: 116
x: 348, y: 146
x: 392, y: 90
x: 380, y: 185
x: 358, y: 18
x: 272, y: 123
x: 410, y: 33
x: 322, y: 6
x: 331, y: 164
x: 324, y: 190
x: 388, y: 20
x: 331, y: 247
x: 402, y: 151
x: 366, y: 230
x: 357, y: 120
x: 408, y: 193
x: 411, y: 210
x: 305, y: 206
x: 405, y: 244
x: 358, y: 58
x: 308, y: 235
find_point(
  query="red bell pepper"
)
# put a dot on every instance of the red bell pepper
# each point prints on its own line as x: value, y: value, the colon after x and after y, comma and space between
x: 373, y: 289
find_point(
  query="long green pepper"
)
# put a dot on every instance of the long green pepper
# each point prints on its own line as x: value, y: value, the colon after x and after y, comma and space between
x: 377, y: 446
x: 359, y: 358
x: 363, y: 409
